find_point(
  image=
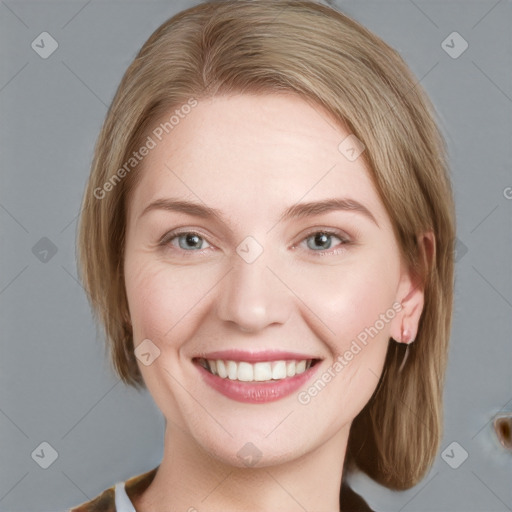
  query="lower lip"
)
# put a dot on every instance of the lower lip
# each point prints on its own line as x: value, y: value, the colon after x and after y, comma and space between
x: 257, y: 392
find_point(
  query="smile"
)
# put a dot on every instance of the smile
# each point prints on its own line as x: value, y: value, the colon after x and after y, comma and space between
x: 255, y: 372
x: 256, y: 381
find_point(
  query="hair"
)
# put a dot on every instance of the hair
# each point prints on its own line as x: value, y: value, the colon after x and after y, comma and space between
x: 316, y: 52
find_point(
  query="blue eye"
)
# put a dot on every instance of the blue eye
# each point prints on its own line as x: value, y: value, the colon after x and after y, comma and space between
x: 323, y: 241
x: 188, y: 241
x: 319, y: 242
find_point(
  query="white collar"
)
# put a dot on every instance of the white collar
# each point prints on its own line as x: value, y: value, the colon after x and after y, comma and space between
x: 123, y: 502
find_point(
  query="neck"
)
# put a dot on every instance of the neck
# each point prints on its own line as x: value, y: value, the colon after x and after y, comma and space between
x: 190, y: 479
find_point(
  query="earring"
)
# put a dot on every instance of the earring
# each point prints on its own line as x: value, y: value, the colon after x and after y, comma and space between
x: 406, y: 338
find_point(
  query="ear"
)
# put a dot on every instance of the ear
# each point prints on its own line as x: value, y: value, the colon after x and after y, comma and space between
x: 411, y: 293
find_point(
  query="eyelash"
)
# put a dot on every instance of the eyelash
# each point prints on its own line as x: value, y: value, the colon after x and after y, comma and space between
x: 344, y: 241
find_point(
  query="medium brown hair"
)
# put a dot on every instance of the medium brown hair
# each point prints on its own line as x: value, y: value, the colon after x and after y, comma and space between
x: 331, y: 61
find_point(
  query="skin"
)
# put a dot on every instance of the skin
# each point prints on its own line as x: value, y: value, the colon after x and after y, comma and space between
x: 251, y: 157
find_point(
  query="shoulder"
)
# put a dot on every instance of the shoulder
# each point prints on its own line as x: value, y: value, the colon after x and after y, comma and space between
x: 350, y: 501
x: 106, y: 501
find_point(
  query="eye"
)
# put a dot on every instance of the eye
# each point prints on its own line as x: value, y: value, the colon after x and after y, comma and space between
x: 322, y: 241
x: 319, y: 242
x: 185, y: 240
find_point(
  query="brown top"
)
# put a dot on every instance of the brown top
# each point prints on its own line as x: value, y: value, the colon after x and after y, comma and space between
x: 135, y: 487
x: 105, y: 502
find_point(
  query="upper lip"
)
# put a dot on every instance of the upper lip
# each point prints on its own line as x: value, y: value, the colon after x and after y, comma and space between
x: 255, y: 357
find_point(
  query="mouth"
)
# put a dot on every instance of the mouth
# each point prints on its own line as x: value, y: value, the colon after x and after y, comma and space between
x: 256, y: 381
x: 263, y: 371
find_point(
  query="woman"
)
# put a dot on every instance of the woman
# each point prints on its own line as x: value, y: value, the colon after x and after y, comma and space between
x: 267, y: 237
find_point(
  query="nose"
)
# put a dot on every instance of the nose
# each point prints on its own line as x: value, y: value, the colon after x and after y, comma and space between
x: 252, y: 296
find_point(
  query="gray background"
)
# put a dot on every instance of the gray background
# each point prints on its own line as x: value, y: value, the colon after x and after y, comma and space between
x: 55, y: 384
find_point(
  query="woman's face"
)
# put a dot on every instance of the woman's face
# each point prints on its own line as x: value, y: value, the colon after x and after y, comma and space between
x: 241, y: 248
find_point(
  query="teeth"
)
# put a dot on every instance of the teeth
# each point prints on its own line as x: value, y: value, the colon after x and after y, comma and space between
x: 232, y: 370
x: 279, y: 370
x: 245, y: 372
x: 262, y: 371
x: 221, y: 369
x: 291, y: 368
x: 301, y: 367
x: 257, y: 372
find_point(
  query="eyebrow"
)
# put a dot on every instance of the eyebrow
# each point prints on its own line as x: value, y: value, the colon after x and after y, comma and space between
x: 302, y: 210
x: 298, y: 211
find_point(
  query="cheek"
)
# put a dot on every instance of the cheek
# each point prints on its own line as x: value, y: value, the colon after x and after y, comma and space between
x: 351, y: 299
x: 355, y: 306
x: 161, y: 300
x: 145, y: 291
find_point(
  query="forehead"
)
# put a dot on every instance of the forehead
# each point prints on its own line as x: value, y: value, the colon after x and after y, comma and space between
x: 252, y: 153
